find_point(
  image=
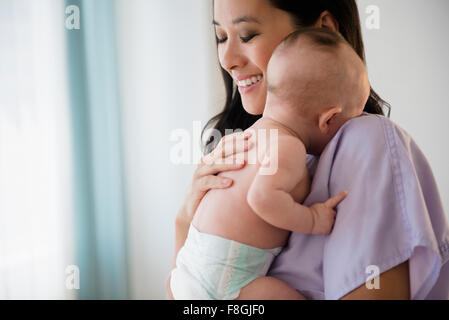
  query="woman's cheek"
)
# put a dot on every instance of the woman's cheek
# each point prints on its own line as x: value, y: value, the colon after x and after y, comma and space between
x: 263, y: 56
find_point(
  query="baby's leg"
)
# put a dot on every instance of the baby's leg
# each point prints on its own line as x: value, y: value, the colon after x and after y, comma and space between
x: 269, y: 288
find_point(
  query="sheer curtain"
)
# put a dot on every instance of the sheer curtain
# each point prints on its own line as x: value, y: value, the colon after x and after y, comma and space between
x: 36, y: 217
x: 101, y: 244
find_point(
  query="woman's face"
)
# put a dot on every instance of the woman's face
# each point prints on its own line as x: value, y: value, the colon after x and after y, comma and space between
x: 248, y: 31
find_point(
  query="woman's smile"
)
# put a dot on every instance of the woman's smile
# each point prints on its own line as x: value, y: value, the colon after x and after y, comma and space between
x: 248, y: 83
x: 247, y: 33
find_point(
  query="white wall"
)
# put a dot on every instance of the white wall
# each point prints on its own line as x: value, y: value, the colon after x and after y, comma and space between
x: 170, y: 79
x: 167, y: 56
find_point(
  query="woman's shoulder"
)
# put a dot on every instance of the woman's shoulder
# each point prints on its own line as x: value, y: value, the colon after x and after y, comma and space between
x: 371, y: 134
x: 359, y: 140
x: 366, y: 127
x: 366, y: 119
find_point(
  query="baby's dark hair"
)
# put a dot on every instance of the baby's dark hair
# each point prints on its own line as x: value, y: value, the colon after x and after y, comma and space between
x: 336, y: 77
x: 322, y: 37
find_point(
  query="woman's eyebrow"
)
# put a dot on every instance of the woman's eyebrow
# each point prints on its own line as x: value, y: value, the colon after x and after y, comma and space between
x: 240, y: 20
x: 245, y: 19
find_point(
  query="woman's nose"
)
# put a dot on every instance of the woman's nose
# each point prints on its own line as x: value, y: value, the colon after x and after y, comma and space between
x: 232, y: 56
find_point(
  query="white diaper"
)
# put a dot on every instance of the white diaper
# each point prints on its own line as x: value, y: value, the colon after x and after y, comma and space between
x: 212, y: 267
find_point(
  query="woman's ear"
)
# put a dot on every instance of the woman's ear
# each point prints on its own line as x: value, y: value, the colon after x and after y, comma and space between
x: 327, y: 117
x: 327, y: 20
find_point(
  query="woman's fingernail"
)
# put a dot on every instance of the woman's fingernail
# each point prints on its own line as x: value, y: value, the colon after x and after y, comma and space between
x: 225, y: 181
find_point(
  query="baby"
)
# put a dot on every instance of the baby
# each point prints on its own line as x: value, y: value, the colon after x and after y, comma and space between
x: 315, y: 83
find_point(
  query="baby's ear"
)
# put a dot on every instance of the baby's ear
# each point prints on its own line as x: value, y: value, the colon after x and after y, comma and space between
x: 327, y: 117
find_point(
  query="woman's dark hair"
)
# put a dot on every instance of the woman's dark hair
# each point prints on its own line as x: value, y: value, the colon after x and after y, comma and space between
x: 304, y: 13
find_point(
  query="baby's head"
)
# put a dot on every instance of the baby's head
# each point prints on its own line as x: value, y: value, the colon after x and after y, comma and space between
x: 315, y: 83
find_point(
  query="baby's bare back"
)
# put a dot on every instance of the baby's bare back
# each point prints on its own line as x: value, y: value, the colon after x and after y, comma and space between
x: 226, y: 213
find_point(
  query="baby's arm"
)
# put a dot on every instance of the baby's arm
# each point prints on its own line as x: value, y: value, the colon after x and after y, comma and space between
x: 269, y: 195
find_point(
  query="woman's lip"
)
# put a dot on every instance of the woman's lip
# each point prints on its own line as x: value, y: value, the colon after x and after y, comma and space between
x: 249, y: 88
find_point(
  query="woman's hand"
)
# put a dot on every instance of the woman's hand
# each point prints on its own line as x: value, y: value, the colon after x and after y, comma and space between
x: 205, y: 178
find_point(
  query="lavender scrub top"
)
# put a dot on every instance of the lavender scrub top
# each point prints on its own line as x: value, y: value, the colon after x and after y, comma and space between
x: 393, y: 213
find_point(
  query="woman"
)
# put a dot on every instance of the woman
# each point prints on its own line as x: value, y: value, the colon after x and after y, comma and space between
x: 392, y: 224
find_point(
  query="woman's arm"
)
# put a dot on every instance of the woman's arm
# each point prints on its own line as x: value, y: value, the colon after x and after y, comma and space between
x: 204, y: 179
x: 394, y: 284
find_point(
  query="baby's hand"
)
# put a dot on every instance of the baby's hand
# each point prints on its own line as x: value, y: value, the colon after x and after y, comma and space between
x: 324, y: 214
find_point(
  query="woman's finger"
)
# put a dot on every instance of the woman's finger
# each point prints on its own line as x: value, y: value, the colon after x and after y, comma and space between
x: 232, y: 144
x: 231, y: 163
x: 334, y: 201
x: 212, y: 182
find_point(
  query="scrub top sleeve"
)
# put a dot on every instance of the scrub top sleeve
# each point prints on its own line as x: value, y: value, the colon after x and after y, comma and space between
x: 393, y: 212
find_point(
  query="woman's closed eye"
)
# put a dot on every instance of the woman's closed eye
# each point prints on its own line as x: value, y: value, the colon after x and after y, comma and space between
x: 243, y: 39
x: 248, y: 38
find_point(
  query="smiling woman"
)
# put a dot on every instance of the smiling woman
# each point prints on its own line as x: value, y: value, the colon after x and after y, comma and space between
x: 261, y: 25
x: 245, y: 44
x: 393, y: 217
